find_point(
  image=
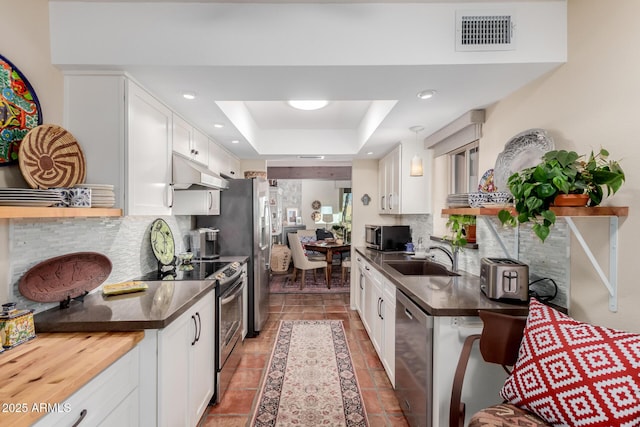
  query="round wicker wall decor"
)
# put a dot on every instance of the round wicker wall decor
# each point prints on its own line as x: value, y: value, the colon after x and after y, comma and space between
x: 50, y: 157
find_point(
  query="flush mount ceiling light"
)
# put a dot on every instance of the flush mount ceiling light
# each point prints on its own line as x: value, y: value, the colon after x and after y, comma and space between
x: 426, y: 94
x: 308, y: 105
x: 189, y: 95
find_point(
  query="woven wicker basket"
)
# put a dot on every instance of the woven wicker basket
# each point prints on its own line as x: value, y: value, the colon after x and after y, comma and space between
x: 280, y: 258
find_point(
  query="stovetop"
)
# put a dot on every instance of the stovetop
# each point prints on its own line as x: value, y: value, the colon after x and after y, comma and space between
x: 223, y: 271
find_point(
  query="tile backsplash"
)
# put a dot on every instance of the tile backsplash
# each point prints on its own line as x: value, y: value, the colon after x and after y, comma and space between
x: 124, y: 240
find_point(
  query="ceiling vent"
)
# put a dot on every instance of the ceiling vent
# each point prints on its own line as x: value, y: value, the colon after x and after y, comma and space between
x: 484, y: 31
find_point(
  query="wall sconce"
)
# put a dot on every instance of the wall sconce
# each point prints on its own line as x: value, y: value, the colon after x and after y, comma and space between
x: 416, y: 161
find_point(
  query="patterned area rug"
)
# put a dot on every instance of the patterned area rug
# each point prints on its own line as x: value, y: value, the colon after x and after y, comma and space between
x: 310, y: 379
x: 282, y: 283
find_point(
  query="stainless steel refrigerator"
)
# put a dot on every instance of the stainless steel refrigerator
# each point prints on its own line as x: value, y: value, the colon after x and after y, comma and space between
x: 245, y: 229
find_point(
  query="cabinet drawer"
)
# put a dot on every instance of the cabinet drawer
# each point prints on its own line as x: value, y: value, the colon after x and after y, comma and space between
x: 100, y: 397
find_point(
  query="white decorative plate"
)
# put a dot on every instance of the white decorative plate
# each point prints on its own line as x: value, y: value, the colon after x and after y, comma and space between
x: 521, y: 152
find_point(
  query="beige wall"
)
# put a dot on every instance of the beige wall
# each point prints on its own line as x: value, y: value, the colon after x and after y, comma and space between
x: 26, y: 44
x: 589, y: 102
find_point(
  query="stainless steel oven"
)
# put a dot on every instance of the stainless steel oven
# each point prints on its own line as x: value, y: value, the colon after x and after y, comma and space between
x: 229, y: 311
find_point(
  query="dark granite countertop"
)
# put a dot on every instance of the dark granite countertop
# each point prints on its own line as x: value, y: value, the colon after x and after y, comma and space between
x: 440, y: 295
x: 154, y: 308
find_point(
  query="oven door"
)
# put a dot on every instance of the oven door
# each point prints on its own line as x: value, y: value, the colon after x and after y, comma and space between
x: 230, y: 306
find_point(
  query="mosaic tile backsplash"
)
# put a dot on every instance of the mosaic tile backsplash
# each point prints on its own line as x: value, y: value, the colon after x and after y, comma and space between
x: 125, y: 241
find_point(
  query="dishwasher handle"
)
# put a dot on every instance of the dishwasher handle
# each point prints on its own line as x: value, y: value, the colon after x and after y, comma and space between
x: 408, y: 309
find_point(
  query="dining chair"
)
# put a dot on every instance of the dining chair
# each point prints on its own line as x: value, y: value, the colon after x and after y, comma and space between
x: 308, y: 236
x: 302, y: 263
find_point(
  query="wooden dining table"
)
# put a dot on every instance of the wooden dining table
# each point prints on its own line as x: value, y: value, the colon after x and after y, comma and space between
x: 328, y: 248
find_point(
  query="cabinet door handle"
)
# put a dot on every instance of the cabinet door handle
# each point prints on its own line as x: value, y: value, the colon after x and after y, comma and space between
x: 408, y: 313
x: 361, y: 280
x: 232, y: 172
x: 390, y: 201
x: 83, y: 414
x: 195, y: 335
x: 170, y: 195
x: 382, y: 202
x: 210, y: 200
x: 379, y: 303
x: 199, y: 326
x: 366, y: 268
x: 381, y: 309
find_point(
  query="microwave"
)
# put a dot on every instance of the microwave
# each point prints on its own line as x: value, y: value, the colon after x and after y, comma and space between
x: 387, y: 237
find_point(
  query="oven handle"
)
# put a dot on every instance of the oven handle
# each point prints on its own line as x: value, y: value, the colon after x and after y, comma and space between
x: 234, y: 291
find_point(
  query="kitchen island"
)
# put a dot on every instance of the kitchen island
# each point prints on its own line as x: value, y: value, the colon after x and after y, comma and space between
x: 41, y: 374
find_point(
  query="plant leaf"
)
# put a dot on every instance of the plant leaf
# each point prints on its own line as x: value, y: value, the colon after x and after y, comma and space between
x: 542, y: 231
x: 504, y: 216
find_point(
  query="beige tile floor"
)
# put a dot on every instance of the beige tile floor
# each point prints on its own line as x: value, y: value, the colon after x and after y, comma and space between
x: 238, y: 403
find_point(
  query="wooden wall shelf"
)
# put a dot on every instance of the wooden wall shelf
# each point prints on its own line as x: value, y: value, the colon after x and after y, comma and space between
x: 559, y: 211
x: 49, y: 212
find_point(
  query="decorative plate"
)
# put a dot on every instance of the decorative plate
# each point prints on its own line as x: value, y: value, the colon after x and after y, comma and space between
x: 66, y: 276
x: 486, y: 184
x: 315, y: 205
x: 522, y: 151
x: 50, y: 157
x: 316, y: 216
x: 162, y: 242
x: 19, y: 111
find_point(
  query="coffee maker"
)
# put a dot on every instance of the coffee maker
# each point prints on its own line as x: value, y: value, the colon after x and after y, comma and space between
x: 204, y: 243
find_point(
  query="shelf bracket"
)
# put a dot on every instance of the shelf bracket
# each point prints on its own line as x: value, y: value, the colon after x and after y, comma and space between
x: 611, y: 282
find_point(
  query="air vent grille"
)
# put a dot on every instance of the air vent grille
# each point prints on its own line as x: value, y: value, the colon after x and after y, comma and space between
x: 484, y: 32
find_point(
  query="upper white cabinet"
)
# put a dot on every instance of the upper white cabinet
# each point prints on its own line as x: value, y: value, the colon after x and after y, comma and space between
x: 398, y: 191
x: 196, y: 202
x: 125, y: 134
x: 189, y: 142
x: 222, y: 162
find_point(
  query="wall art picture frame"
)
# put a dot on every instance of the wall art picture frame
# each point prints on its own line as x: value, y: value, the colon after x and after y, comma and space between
x: 292, y: 215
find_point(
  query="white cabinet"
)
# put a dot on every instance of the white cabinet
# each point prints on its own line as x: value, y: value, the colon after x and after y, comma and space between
x: 189, y: 142
x: 360, y: 295
x: 125, y: 134
x: 185, y: 365
x: 398, y: 191
x: 389, y: 182
x: 109, y: 399
x: 222, y: 162
x: 376, y: 297
x: 196, y: 202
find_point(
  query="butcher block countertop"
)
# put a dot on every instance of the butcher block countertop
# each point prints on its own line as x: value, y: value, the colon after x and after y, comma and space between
x: 52, y: 366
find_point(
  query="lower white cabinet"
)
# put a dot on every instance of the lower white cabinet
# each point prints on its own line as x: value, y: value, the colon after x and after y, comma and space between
x: 186, y: 365
x: 196, y: 202
x: 109, y: 399
x: 378, y: 315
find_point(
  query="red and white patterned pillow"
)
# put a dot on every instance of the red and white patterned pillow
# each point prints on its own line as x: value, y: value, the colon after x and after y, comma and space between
x: 575, y: 374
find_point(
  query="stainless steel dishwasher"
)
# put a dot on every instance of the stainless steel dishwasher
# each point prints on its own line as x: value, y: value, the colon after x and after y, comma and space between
x: 414, y: 361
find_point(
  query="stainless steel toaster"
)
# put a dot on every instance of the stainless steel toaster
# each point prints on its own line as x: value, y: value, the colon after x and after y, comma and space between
x: 504, y: 278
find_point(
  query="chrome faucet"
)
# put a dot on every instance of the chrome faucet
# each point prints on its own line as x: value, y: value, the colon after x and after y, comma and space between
x: 453, y: 256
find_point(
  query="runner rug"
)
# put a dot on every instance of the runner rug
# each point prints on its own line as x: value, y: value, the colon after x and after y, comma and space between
x: 282, y: 283
x: 310, y: 379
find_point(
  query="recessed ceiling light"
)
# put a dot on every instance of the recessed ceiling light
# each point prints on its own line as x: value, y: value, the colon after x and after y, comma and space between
x: 308, y: 105
x: 310, y: 157
x: 189, y: 95
x: 426, y: 94
x: 218, y: 125
x: 369, y: 153
x: 235, y: 141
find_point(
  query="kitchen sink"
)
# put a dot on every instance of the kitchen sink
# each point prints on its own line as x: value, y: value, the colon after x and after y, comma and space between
x: 420, y: 268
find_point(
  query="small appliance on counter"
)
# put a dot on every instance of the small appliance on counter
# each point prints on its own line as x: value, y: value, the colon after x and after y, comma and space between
x: 504, y: 279
x: 387, y: 237
x: 204, y: 243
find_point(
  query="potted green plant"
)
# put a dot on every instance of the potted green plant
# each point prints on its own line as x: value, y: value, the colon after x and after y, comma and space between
x: 462, y: 230
x: 560, y: 173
